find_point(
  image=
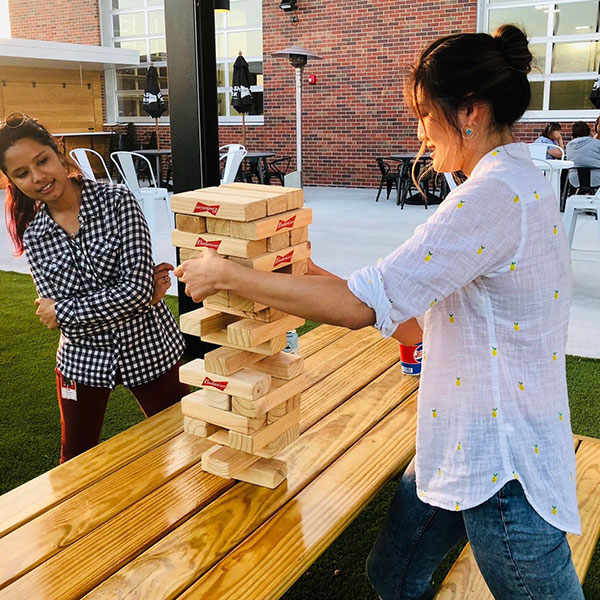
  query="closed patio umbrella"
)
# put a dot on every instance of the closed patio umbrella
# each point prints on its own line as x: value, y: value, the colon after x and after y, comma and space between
x: 153, y: 102
x: 241, y: 96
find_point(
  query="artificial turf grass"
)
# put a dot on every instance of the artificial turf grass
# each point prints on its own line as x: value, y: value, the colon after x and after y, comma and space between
x: 30, y: 437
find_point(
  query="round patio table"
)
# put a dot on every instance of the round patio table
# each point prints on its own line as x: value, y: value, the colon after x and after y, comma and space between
x: 403, y: 188
x: 261, y: 163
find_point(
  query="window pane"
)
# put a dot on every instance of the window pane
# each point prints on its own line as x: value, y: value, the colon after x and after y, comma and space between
x: 535, y: 22
x: 539, y: 57
x: 163, y: 81
x: 139, y: 45
x: 116, y: 4
x: 249, y: 42
x: 573, y: 57
x: 577, y: 18
x: 222, y: 104
x: 221, y: 75
x: 255, y: 68
x: 537, y: 95
x: 158, y: 49
x: 131, y: 24
x: 131, y: 79
x: 130, y: 106
x: 156, y: 21
x: 156, y: 3
x: 570, y: 95
x: 220, y: 20
x: 244, y: 13
x: 220, y: 45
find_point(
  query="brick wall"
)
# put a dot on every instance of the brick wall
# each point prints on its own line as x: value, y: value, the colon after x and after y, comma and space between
x: 70, y: 21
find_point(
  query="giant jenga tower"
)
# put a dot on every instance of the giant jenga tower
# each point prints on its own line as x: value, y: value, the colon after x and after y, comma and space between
x: 249, y: 401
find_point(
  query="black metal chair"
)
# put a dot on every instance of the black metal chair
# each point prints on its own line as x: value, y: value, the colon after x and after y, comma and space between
x: 390, y: 178
x: 278, y: 169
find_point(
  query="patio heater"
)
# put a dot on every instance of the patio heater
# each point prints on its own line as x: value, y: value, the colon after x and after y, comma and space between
x: 298, y: 58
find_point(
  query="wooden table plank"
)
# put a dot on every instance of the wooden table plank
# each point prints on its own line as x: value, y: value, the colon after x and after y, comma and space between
x: 465, y: 580
x: 39, y: 539
x: 318, y: 338
x: 42, y: 493
x: 268, y: 562
x: 182, y: 556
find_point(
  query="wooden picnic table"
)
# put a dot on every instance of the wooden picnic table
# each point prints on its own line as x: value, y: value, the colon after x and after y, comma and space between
x: 136, y: 517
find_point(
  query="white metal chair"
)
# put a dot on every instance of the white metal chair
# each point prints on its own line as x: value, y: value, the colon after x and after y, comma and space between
x: 146, y: 196
x: 80, y: 156
x: 576, y: 205
x: 538, y: 150
x: 233, y: 155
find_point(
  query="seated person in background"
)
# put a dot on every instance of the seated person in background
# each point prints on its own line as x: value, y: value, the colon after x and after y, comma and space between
x: 596, y: 125
x: 551, y: 135
x: 584, y: 151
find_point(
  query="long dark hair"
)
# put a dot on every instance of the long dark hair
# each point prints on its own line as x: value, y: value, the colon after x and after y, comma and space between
x: 20, y: 209
x: 462, y: 69
x: 550, y: 129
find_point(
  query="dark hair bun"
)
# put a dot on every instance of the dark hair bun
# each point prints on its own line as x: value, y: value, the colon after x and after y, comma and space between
x: 513, y: 45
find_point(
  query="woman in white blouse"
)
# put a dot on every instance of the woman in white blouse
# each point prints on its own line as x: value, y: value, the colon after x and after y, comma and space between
x: 490, y: 271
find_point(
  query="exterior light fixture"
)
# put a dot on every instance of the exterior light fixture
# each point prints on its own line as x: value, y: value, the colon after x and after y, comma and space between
x: 287, y: 5
x: 222, y: 6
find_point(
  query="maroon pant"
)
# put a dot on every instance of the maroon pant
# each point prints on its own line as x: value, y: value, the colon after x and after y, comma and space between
x: 81, y: 419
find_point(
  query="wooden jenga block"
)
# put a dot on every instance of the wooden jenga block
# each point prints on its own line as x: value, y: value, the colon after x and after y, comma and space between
x: 266, y: 472
x: 276, y: 200
x: 239, y: 303
x: 278, y: 241
x: 271, y: 261
x: 297, y: 236
x: 261, y: 442
x: 203, y: 321
x: 294, y: 196
x: 226, y: 361
x: 190, y: 223
x: 269, y: 348
x: 283, y: 365
x: 187, y: 254
x: 283, y: 409
x: 228, y: 246
x: 281, y: 390
x: 218, y: 226
x: 217, y: 301
x: 268, y: 315
x: 227, y: 462
x: 247, y: 332
x: 226, y: 205
x: 195, y: 405
x: 217, y: 399
x: 198, y: 428
x: 244, y: 383
x: 268, y: 226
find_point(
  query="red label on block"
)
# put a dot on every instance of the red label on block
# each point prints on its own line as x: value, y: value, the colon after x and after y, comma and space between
x: 202, y: 243
x: 220, y: 385
x: 281, y: 260
x: 213, y: 210
x: 283, y: 224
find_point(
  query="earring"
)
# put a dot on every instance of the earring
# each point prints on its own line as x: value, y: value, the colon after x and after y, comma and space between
x: 470, y: 131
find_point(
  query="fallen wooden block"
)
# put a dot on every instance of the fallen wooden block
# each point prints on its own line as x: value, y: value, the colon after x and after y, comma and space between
x: 198, y: 428
x: 203, y: 321
x: 294, y: 196
x: 280, y: 391
x: 247, y: 332
x: 226, y: 361
x: 244, y: 383
x: 283, y: 365
x: 195, y: 405
x: 228, y: 246
x: 266, y: 472
x: 283, y: 409
x: 190, y: 223
x: 270, y: 261
x: 229, y: 206
x: 268, y: 226
x: 285, y: 430
x: 227, y: 462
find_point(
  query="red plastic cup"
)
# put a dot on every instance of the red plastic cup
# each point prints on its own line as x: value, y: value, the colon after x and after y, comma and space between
x: 410, y: 359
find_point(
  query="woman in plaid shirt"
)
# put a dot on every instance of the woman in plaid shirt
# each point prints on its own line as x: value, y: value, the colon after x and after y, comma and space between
x: 89, y: 250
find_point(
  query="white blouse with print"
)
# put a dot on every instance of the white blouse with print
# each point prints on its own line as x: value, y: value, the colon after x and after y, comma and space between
x: 491, y: 271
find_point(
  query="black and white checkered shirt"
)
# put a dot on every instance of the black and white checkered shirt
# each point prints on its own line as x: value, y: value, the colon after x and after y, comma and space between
x: 102, y: 280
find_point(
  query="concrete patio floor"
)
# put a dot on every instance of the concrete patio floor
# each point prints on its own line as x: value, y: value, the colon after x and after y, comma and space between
x: 351, y: 230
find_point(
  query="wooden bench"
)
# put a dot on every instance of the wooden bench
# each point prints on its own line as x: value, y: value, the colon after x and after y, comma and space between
x: 137, y: 517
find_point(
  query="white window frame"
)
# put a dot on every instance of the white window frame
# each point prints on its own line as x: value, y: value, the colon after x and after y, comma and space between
x: 484, y: 7
x: 110, y: 75
x: 227, y: 88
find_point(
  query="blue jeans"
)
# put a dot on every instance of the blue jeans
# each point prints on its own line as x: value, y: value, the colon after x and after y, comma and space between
x: 519, y: 554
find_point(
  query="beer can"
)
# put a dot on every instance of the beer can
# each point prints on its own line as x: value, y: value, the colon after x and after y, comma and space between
x: 410, y: 359
x: 292, y: 342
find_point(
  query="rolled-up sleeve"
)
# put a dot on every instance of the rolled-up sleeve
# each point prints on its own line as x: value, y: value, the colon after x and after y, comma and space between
x: 476, y: 231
